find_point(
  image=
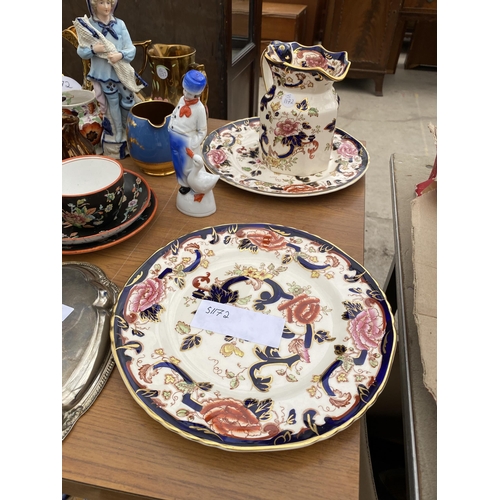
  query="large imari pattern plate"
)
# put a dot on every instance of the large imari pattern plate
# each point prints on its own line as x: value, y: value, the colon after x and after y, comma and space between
x: 232, y: 152
x: 336, y: 349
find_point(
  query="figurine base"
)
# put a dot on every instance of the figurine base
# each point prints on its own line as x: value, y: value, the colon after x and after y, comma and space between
x: 196, y: 205
x: 116, y: 150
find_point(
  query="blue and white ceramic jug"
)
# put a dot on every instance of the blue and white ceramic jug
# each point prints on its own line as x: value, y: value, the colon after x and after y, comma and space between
x: 298, y: 111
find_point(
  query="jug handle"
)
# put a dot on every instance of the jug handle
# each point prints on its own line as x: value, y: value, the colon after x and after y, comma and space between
x: 265, y: 71
x: 144, y: 45
x: 201, y: 69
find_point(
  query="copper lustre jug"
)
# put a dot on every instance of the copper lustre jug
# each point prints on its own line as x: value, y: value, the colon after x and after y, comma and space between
x: 169, y: 64
x: 73, y: 142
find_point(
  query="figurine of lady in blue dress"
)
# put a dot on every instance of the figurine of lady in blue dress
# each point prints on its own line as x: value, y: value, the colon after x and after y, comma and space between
x: 105, y: 40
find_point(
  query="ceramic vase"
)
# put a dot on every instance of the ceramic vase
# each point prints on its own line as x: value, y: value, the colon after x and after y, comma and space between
x: 147, y: 137
x: 83, y: 104
x: 298, y: 111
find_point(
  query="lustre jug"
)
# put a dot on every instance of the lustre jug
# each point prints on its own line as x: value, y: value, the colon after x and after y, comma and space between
x: 147, y: 137
x: 298, y: 111
x: 169, y: 64
x: 73, y: 141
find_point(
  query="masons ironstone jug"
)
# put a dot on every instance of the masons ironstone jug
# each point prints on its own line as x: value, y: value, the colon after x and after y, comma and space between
x: 298, y: 111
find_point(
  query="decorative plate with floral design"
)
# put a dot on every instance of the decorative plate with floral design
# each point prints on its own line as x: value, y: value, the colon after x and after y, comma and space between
x: 232, y: 151
x: 334, y: 358
x: 137, y: 195
x: 138, y: 225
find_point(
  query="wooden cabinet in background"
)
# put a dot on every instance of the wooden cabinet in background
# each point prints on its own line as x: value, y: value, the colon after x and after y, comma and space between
x: 423, y: 45
x: 282, y: 21
x: 312, y: 20
x: 243, y: 60
x: 366, y: 30
x: 420, y: 18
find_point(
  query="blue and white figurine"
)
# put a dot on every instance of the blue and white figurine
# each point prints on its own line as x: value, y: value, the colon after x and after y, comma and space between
x: 198, y: 200
x: 105, y: 40
x: 187, y: 130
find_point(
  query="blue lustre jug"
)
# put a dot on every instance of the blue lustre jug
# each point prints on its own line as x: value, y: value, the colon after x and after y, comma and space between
x: 147, y: 137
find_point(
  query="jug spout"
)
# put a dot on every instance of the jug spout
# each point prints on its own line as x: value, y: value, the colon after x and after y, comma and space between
x: 155, y: 114
x: 314, y: 59
x: 147, y: 137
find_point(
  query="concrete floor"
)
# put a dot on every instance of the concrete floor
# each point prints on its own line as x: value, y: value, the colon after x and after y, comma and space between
x: 397, y: 122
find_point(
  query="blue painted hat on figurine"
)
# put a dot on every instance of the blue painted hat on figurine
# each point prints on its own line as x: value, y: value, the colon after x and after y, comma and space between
x: 194, y: 82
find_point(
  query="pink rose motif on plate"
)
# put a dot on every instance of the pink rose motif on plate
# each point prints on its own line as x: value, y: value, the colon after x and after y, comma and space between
x: 144, y: 296
x: 313, y: 59
x: 264, y: 239
x: 217, y: 156
x: 286, y: 128
x: 367, y: 328
x: 229, y: 417
x: 348, y: 149
x: 302, y: 309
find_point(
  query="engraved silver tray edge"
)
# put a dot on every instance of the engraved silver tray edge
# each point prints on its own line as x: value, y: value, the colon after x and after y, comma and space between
x: 93, y: 388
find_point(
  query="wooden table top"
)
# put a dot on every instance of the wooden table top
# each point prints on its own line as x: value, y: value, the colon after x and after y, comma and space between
x: 116, y: 451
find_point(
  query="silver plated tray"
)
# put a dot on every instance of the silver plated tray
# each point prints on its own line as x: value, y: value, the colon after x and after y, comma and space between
x: 232, y: 151
x: 333, y: 358
x: 87, y: 361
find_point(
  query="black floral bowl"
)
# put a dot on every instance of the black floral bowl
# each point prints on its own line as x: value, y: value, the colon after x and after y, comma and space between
x: 92, y: 191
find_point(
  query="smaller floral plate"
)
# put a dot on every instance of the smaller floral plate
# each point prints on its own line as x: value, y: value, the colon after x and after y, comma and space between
x: 138, y: 225
x: 334, y: 357
x: 137, y: 194
x: 232, y: 152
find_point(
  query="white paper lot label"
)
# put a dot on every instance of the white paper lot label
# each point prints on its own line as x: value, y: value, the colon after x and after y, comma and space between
x: 240, y: 323
x: 66, y: 311
x: 288, y: 100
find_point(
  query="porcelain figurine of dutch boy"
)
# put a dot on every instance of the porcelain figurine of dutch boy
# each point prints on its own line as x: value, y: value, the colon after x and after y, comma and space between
x: 187, y: 129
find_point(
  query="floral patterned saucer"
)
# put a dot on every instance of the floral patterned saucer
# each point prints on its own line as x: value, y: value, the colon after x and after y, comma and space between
x: 232, y: 151
x: 137, y: 197
x: 138, y: 225
x: 334, y: 358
